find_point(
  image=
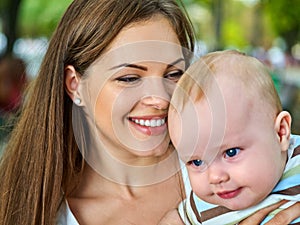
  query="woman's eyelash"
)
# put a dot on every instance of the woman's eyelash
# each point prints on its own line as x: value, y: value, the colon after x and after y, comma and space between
x: 127, y: 79
x: 174, y: 73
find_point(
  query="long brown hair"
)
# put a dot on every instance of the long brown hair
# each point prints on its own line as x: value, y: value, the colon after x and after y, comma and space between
x: 42, y: 161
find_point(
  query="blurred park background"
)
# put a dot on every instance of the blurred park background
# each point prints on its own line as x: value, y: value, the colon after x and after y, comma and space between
x: 266, y: 29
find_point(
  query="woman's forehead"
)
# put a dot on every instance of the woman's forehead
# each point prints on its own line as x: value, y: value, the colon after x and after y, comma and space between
x: 138, y: 53
x: 156, y: 28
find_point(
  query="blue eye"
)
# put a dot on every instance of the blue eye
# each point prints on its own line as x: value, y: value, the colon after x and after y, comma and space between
x: 232, y: 152
x: 197, y: 162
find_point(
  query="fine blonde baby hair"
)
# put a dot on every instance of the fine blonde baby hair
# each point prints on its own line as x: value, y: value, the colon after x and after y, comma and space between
x: 252, y: 74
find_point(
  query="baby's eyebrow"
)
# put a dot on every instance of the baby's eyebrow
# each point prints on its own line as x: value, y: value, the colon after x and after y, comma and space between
x: 187, y: 158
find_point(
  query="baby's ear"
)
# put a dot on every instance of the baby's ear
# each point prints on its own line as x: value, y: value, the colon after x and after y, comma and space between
x: 283, y: 128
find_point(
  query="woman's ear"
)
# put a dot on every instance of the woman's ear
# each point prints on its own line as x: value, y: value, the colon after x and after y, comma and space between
x: 283, y: 128
x: 72, y: 80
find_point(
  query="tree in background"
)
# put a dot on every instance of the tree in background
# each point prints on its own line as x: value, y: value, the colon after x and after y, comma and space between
x: 219, y: 23
x: 9, y: 11
x: 29, y: 18
x: 239, y: 23
x: 284, y: 17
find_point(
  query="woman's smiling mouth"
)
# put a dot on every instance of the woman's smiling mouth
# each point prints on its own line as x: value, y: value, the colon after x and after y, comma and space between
x: 150, y: 125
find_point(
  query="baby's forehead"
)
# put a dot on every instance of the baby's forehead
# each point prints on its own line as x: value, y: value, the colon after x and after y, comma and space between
x: 235, y: 104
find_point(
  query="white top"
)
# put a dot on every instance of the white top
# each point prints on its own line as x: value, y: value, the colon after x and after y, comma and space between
x: 66, y: 217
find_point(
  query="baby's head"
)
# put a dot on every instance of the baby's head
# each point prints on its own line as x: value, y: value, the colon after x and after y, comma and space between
x: 227, y: 123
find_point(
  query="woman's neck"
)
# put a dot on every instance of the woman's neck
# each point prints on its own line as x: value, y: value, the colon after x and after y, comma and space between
x: 98, y: 200
x: 127, y: 179
x: 141, y: 171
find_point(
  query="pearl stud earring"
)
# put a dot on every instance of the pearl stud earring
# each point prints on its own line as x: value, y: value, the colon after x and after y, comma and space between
x: 77, y: 101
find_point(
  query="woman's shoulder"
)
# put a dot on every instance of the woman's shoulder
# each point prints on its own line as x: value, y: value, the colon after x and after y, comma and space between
x: 65, y: 215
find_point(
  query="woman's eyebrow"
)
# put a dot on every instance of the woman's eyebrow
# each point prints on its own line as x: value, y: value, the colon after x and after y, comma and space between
x: 175, y: 62
x: 144, y: 68
x: 130, y: 65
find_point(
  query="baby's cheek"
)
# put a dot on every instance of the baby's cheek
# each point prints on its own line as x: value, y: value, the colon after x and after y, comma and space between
x: 198, y: 184
x: 174, y: 125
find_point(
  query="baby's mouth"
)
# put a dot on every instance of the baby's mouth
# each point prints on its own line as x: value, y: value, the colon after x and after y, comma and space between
x: 229, y: 194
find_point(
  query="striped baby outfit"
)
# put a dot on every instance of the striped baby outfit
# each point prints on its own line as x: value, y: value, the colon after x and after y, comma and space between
x: 195, y: 211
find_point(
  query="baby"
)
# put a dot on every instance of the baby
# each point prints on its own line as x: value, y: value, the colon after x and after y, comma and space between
x: 227, y: 123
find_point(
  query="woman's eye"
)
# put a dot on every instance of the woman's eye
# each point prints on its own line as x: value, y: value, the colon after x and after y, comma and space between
x: 174, y: 75
x: 128, y: 79
x: 232, y: 152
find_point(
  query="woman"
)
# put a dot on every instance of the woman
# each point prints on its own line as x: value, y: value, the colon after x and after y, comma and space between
x: 118, y: 62
x: 42, y: 165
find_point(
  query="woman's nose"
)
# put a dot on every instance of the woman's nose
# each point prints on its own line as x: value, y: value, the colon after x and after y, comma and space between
x: 155, y: 102
x: 156, y: 93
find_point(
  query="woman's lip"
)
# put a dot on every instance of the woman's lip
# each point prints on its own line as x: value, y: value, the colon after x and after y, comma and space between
x: 152, y: 126
x: 150, y: 130
x: 163, y: 116
x: 229, y: 194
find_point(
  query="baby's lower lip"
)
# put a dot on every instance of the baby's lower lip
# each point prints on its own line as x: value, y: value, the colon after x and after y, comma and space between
x: 229, y: 194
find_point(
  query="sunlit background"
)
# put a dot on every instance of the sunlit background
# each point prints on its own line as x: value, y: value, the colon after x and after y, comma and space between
x: 266, y: 29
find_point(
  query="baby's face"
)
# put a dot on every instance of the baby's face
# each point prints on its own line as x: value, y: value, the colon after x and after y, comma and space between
x: 233, y: 156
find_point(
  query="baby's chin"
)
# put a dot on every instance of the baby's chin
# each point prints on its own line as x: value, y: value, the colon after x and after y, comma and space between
x: 238, y: 205
x: 234, y: 203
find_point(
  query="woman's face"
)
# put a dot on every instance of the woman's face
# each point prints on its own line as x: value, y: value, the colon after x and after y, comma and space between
x: 127, y: 90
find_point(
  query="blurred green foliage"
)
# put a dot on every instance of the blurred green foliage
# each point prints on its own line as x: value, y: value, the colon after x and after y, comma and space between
x: 284, y: 17
x: 245, y: 22
x: 39, y: 18
x: 219, y: 23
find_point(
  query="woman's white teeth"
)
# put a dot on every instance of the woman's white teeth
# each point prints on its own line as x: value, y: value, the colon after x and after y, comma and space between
x: 150, y: 123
